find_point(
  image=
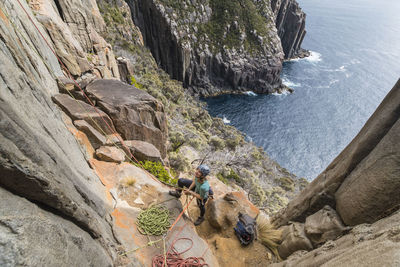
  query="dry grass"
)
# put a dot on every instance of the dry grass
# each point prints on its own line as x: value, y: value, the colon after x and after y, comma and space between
x: 268, y: 235
x: 128, y: 181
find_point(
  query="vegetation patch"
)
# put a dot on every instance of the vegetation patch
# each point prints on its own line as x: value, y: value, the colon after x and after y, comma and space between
x: 158, y: 170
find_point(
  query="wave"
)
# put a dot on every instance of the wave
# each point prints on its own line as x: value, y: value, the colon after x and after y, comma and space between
x: 250, y: 93
x: 314, y: 57
x: 289, y: 83
x: 285, y: 92
x: 225, y: 120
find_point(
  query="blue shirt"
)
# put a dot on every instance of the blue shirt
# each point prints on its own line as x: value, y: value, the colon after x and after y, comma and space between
x: 202, y: 189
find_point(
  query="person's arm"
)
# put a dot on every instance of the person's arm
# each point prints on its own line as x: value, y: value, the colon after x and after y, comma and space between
x: 194, y: 194
x: 192, y: 185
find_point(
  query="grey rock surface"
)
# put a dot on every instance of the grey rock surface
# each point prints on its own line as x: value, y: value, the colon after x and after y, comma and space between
x: 95, y: 138
x: 143, y: 151
x: 372, y: 245
x: 110, y: 154
x: 356, y: 157
x: 79, y: 110
x: 136, y: 114
x: 31, y: 236
x: 323, y: 225
x: 372, y: 190
x: 293, y: 239
x: 39, y: 158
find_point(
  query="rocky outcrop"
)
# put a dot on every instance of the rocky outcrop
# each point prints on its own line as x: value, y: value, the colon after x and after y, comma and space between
x: 374, y: 245
x: 143, y: 151
x: 362, y: 185
x: 290, y: 22
x: 323, y: 225
x: 73, y: 28
x: 40, y: 160
x: 380, y: 131
x: 111, y: 154
x: 294, y: 239
x: 211, y: 52
x: 79, y: 110
x: 24, y: 225
x: 135, y: 114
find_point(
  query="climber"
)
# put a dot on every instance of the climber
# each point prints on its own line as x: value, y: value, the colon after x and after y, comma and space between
x: 199, y: 188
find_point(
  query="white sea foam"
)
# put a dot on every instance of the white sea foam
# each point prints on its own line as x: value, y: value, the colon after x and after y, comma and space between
x: 225, y: 120
x: 314, y: 57
x: 250, y: 93
x: 289, y: 83
x: 285, y: 92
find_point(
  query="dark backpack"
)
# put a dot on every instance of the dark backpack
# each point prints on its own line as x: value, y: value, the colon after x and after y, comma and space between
x: 246, y: 229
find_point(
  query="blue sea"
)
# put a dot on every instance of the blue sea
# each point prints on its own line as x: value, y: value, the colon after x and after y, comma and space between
x: 354, y: 63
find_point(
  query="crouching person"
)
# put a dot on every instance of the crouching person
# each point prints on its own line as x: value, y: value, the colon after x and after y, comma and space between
x: 199, y: 188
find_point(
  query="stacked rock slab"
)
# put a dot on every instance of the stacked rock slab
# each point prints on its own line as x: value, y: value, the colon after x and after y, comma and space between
x: 135, y: 114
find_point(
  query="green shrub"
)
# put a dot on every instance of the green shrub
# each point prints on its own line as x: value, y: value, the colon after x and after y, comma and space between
x: 177, y: 139
x: 286, y: 183
x: 232, y: 143
x: 179, y: 163
x: 234, y: 176
x: 221, y: 177
x: 217, y: 142
x: 158, y: 170
x: 135, y: 83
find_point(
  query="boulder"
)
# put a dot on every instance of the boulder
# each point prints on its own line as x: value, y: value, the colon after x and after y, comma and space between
x: 222, y: 213
x: 372, y: 190
x: 142, y: 151
x: 95, y: 138
x: 31, y: 236
x: 136, y: 114
x: 79, y: 110
x: 111, y: 154
x: 323, y: 225
x: 293, y: 239
x: 365, y: 245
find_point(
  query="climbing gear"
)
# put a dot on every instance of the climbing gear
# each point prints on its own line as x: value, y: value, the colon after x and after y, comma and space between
x: 245, y: 229
x: 199, y: 221
x: 153, y: 221
x: 175, y: 193
x: 173, y: 258
x: 204, y: 169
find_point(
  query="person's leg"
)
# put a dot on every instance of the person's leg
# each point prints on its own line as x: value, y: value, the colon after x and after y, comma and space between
x: 202, y: 206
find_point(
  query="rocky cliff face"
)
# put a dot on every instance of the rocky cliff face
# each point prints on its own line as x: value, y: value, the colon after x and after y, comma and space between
x: 290, y: 22
x: 213, y: 46
x: 41, y: 163
x: 360, y: 187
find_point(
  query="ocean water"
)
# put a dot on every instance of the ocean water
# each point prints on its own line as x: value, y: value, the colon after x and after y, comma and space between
x: 355, y: 61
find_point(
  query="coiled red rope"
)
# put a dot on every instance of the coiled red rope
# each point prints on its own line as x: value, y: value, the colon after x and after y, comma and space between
x: 173, y: 258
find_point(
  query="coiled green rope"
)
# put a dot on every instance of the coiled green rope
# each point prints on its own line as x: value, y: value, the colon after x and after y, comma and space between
x: 154, y: 221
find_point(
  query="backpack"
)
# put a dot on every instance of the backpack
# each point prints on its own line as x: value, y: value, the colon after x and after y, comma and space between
x: 246, y: 229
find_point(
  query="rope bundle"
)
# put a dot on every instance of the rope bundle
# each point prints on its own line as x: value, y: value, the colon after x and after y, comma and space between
x: 174, y: 259
x: 154, y: 221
